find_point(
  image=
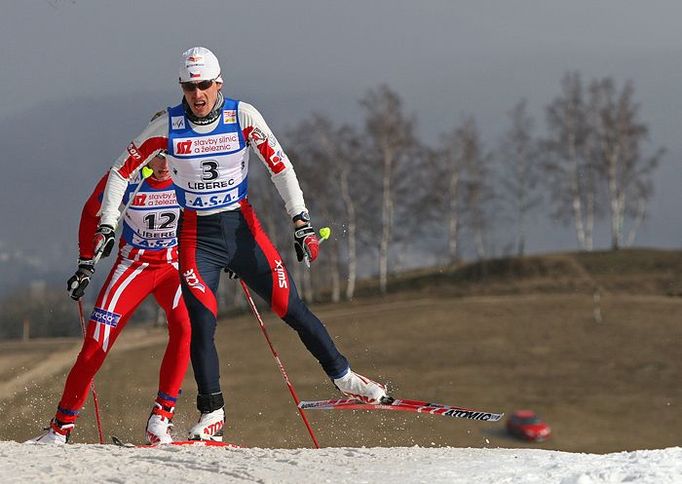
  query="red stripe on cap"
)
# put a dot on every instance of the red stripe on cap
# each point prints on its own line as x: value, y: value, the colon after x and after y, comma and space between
x: 138, y: 156
x: 188, y: 262
x: 280, y: 278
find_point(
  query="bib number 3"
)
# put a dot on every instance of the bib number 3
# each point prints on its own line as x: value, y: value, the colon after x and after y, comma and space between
x: 210, y: 170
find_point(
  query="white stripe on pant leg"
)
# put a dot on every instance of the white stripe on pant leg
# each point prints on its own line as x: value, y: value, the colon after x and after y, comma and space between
x: 105, y: 339
x: 178, y: 295
x: 115, y: 298
x: 119, y: 270
x: 118, y: 273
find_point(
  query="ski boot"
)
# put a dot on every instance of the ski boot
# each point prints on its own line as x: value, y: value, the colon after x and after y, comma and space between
x: 57, y: 433
x: 357, y: 386
x: 209, y: 427
x: 212, y: 419
x: 159, y: 425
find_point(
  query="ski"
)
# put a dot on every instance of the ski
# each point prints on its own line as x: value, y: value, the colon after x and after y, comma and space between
x: 191, y: 443
x: 390, y: 403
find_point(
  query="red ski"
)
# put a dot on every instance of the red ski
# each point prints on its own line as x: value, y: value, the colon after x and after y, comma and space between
x: 417, y: 406
x: 191, y: 443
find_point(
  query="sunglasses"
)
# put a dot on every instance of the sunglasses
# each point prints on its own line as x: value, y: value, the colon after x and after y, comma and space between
x: 193, y: 86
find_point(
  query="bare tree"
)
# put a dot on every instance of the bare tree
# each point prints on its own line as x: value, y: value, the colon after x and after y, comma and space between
x: 571, y: 176
x: 347, y: 161
x: 443, y: 202
x: 331, y: 157
x: 391, y: 141
x: 637, y: 209
x: 477, y: 184
x: 521, y: 170
x: 459, y: 188
x: 616, y: 137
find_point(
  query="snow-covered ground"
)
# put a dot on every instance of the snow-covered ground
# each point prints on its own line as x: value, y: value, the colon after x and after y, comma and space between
x: 107, y: 463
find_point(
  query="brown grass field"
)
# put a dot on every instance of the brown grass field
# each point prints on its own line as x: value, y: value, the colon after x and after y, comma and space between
x: 603, y: 387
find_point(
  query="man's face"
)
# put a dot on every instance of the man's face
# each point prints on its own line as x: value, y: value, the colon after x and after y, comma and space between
x: 201, y: 96
x: 159, y: 166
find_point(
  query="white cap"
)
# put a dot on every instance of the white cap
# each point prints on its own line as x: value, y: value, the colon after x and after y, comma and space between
x: 199, y: 64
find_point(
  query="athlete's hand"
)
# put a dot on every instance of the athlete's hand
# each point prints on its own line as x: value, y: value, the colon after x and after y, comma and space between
x: 105, y: 238
x: 306, y: 242
x: 79, y: 281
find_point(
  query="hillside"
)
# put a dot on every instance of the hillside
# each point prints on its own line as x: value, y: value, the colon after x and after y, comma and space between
x: 629, y: 271
x: 501, y: 342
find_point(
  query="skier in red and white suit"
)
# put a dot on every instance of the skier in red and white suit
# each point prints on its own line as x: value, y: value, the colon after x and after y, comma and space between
x: 147, y: 264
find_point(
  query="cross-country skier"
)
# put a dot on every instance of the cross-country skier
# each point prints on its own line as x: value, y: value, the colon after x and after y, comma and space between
x: 147, y: 264
x: 208, y: 138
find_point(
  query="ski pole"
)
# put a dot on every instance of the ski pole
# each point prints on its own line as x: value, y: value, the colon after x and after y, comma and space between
x: 92, y: 383
x: 252, y: 304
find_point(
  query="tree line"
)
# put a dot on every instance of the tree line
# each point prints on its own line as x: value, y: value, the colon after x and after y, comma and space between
x: 390, y: 196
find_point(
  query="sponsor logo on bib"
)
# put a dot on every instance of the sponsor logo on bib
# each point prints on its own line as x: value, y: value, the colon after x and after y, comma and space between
x: 206, y: 145
x: 229, y: 116
x: 178, y: 122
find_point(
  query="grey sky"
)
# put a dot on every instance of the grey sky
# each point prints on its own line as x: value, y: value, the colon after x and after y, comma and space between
x: 447, y: 59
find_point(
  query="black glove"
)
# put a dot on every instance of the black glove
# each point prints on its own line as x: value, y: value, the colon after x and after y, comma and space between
x: 105, y: 237
x: 79, y: 281
x: 231, y: 274
x: 306, y: 242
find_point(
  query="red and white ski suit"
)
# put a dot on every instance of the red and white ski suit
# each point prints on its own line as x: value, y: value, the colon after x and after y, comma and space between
x: 146, y: 264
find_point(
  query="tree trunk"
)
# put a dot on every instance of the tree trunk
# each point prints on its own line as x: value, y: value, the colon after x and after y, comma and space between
x: 386, y: 219
x: 575, y: 193
x: 613, y: 201
x: 577, y: 207
x: 308, y: 292
x: 639, y: 218
x: 352, y: 228
x: 334, y: 271
x: 478, y: 241
x: 589, y: 220
x: 453, y: 218
x: 521, y: 234
x: 521, y: 203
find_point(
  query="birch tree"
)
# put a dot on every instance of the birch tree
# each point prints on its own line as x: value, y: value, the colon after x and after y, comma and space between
x: 442, y: 203
x: 571, y: 176
x: 519, y: 155
x: 477, y: 183
x: 616, y: 138
x: 391, y: 141
x: 348, y: 161
x: 331, y: 156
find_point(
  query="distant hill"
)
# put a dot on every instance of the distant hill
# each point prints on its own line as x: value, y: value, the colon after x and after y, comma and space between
x: 635, y: 271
